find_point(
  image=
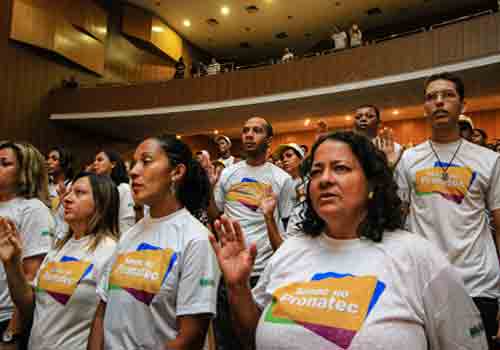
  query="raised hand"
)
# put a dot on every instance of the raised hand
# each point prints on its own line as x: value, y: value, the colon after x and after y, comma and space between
x: 235, y: 259
x: 385, y: 143
x: 10, y: 244
x: 268, y: 204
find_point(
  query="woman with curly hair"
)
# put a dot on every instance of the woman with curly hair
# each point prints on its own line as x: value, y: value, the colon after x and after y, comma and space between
x: 24, y: 202
x: 355, y: 279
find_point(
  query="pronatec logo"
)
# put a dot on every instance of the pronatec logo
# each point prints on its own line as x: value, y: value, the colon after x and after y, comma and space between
x: 142, y: 272
x: 332, y: 306
x: 60, y: 279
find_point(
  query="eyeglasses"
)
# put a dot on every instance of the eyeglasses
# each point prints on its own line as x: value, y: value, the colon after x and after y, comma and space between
x: 445, y: 95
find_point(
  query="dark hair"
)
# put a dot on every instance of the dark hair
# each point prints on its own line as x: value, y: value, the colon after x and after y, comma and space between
x: 483, y: 133
x: 65, y: 161
x: 305, y: 148
x: 459, y: 84
x: 104, y: 221
x: 194, y: 188
x: 269, y: 129
x: 119, y: 172
x: 375, y: 108
x: 383, y: 208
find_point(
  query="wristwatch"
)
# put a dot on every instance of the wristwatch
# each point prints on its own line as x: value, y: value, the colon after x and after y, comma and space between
x: 9, y: 337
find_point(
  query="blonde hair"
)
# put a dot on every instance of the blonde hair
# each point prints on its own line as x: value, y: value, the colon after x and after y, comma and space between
x: 32, y: 176
x: 104, y: 220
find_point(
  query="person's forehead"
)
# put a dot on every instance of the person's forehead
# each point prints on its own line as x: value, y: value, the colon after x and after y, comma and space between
x: 255, y: 122
x: 7, y: 153
x: 147, y: 146
x: 366, y: 110
x: 440, y: 85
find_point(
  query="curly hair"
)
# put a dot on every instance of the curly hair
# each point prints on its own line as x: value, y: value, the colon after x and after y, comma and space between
x: 383, y: 207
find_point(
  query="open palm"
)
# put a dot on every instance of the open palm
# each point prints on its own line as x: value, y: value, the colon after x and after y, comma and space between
x: 10, y: 245
x: 235, y: 259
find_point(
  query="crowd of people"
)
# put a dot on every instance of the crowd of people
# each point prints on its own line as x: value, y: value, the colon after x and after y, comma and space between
x: 354, y: 243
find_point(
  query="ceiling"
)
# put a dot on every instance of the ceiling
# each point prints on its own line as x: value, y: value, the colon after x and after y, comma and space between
x: 305, y: 22
x: 482, y: 93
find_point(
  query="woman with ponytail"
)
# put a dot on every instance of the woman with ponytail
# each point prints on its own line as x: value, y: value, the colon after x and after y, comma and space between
x: 160, y: 290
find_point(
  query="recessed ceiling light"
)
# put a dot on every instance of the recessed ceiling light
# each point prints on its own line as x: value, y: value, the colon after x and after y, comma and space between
x: 395, y: 112
x: 157, y: 29
x: 307, y: 122
x: 216, y: 132
x: 187, y: 23
x: 178, y: 137
x: 348, y: 118
x: 225, y: 10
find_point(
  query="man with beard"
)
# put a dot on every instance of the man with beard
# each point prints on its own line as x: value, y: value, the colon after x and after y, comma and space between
x: 239, y: 194
x: 367, y: 123
x: 450, y: 185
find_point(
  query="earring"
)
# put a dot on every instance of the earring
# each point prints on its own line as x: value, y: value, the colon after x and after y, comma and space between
x: 172, y: 188
x: 370, y: 195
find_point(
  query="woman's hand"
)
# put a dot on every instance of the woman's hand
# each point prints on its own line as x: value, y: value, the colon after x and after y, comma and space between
x: 10, y: 244
x: 235, y: 259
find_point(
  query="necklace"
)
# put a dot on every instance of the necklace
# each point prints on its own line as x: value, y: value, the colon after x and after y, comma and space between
x: 445, y: 175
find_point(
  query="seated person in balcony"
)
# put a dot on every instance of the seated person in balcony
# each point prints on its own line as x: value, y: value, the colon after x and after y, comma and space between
x: 356, y: 36
x: 180, y: 68
x: 339, y: 38
x: 214, y: 67
x: 287, y: 56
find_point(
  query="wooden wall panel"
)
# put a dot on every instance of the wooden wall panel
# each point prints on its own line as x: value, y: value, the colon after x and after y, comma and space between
x: 29, y: 74
x: 136, y: 22
x: 33, y: 23
x: 166, y: 39
x: 448, y: 43
x: 79, y: 47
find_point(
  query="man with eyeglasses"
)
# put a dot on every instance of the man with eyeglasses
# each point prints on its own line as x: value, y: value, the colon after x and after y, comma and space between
x: 450, y: 184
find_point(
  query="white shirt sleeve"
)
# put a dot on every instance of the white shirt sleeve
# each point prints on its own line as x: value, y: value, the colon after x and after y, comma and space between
x: 219, y: 192
x: 259, y: 292
x: 199, y: 280
x: 451, y: 319
x: 402, y: 181
x: 103, y: 280
x: 127, y: 213
x: 37, y: 230
x: 493, y: 195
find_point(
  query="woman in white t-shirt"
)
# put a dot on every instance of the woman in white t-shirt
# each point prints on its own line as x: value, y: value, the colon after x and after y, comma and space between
x: 111, y: 164
x: 62, y: 299
x: 160, y: 290
x: 24, y: 202
x: 355, y: 280
x: 61, y: 172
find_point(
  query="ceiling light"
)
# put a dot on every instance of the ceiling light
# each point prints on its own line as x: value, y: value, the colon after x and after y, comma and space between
x: 157, y: 29
x: 395, y: 112
x: 348, y: 118
x: 307, y: 122
x: 187, y: 23
x: 225, y: 10
x: 216, y: 132
x: 178, y: 137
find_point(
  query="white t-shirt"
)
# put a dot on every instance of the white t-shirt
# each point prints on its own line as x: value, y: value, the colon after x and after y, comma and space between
x: 287, y: 57
x: 163, y: 268
x: 294, y: 192
x: 239, y: 193
x: 36, y: 226
x: 126, y: 214
x: 66, y: 298
x: 213, y: 68
x: 322, y: 293
x: 452, y: 214
x: 227, y: 162
x: 340, y: 40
